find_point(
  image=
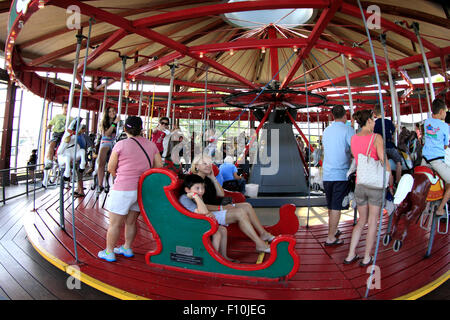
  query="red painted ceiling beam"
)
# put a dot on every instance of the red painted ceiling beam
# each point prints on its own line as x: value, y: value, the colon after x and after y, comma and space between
x: 273, y: 54
x: 107, y: 44
x: 282, y: 43
x: 156, y: 63
x: 388, y: 25
x: 218, y: 9
x: 319, y: 27
x: 116, y: 75
x: 149, y: 34
x: 394, y: 64
x: 68, y: 50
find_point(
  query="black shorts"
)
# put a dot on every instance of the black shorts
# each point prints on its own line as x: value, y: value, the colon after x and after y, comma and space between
x: 335, y: 192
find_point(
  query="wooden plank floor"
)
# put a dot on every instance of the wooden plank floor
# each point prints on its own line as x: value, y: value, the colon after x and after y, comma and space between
x: 24, y: 273
x: 321, y: 276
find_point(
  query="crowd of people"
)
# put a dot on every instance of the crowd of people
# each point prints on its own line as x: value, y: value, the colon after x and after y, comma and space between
x: 342, y: 144
x: 202, y: 191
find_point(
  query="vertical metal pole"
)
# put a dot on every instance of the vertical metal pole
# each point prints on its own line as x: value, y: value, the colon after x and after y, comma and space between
x: 140, y: 98
x: 169, y: 100
x: 415, y: 26
x: 122, y: 78
x: 380, y: 97
x: 204, y: 109
x: 394, y: 97
x: 74, y: 171
x: 426, y: 92
x: 39, y: 143
x: 309, y: 153
x: 74, y: 78
x: 151, y: 115
x: 347, y: 79
x: 105, y: 96
x: 18, y: 126
x: 420, y: 107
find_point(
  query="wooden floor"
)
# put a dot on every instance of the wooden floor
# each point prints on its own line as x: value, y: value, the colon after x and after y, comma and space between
x: 24, y: 274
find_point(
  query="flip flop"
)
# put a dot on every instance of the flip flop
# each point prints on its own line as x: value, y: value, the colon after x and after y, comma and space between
x: 76, y: 194
x: 336, y: 242
x: 353, y: 260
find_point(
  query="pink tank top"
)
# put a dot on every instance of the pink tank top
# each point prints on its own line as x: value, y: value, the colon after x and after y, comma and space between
x: 359, y: 145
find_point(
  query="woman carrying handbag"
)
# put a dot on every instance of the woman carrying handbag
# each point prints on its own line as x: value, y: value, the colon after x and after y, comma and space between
x: 367, y: 149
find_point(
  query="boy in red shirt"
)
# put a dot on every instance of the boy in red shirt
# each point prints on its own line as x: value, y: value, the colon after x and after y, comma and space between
x: 160, y: 132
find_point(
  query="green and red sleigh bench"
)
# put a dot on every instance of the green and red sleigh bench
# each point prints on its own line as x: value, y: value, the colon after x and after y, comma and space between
x: 183, y: 237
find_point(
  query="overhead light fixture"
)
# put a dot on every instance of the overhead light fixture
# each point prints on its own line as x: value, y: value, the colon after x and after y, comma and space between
x: 258, y: 18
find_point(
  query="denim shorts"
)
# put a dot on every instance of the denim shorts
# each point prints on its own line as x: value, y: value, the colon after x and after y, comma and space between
x: 394, y: 154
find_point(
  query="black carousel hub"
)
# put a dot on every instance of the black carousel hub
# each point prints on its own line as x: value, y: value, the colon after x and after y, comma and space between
x: 288, y: 98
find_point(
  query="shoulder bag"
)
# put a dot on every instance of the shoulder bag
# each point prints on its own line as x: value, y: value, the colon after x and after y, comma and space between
x: 369, y: 171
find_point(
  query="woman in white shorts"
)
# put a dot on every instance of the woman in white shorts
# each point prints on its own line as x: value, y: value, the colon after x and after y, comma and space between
x: 129, y: 159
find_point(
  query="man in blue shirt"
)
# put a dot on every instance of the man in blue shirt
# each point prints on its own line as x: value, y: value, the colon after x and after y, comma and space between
x: 231, y: 180
x: 436, y: 139
x: 337, y: 159
x: 391, y: 150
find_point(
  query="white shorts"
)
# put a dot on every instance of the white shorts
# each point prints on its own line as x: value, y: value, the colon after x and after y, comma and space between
x: 121, y: 202
x: 220, y: 217
x: 442, y: 168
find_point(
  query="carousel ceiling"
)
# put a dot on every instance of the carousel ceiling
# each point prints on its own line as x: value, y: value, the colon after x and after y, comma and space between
x: 227, y: 46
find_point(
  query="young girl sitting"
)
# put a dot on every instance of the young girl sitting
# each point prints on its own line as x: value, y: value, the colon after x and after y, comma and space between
x: 193, y: 189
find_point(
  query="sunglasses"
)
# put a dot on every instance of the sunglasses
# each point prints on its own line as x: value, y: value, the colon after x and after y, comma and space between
x: 165, y: 123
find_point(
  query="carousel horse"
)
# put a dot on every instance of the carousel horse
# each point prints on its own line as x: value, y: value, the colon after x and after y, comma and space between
x: 120, y: 136
x: 424, y: 188
x: 66, y: 150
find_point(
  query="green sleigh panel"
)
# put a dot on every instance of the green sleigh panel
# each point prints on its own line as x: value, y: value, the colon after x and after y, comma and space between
x: 183, y: 237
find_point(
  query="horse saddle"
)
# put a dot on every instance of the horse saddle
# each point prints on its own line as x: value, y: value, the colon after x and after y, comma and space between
x: 437, y: 184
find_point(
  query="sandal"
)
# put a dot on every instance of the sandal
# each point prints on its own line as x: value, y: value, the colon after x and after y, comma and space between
x: 338, y: 234
x: 336, y: 242
x: 353, y: 260
x: 361, y: 264
x: 268, y: 237
x: 267, y: 250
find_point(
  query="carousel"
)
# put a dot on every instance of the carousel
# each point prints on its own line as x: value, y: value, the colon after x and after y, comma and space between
x: 278, y: 67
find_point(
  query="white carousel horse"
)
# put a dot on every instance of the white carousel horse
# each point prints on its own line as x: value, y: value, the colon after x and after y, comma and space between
x: 66, y: 150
